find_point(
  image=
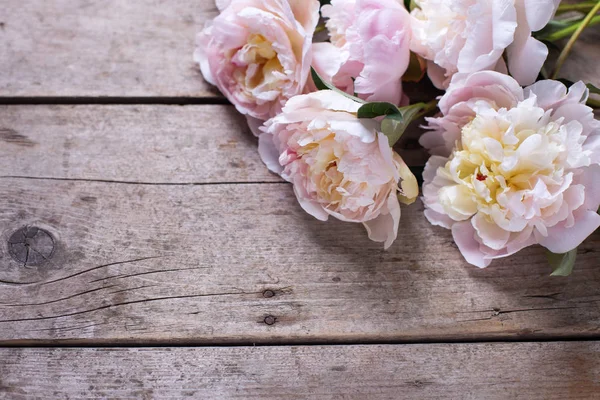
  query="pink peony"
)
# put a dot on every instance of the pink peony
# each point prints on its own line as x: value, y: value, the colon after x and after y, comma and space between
x: 340, y: 165
x: 258, y: 52
x: 471, y: 35
x: 514, y: 167
x: 369, y: 50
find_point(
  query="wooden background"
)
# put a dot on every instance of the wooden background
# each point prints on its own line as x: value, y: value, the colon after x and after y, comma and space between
x: 179, y: 266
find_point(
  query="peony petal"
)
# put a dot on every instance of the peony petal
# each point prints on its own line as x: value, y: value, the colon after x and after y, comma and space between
x: 539, y: 12
x: 464, y: 237
x: 436, y: 218
x: 490, y: 233
x: 327, y: 60
x: 269, y: 153
x: 488, y: 38
x: 255, y: 125
x: 590, y: 179
x: 548, y: 93
x: 525, y: 59
x: 561, y: 239
x: 311, y: 207
x: 384, y: 228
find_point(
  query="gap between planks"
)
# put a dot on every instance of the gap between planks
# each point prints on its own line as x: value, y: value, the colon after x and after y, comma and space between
x: 148, y: 343
x: 113, y: 100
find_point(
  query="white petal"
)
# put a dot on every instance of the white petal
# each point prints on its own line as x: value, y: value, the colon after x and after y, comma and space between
x: 464, y: 237
x: 384, y: 228
x: 269, y: 153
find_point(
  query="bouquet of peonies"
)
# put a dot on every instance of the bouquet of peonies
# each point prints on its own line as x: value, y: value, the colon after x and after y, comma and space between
x: 515, y: 157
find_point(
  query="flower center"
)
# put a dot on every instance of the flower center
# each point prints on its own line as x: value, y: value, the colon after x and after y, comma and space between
x: 509, y: 164
x: 257, y: 64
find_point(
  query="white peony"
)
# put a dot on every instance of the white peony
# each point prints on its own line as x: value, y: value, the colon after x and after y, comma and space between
x: 472, y: 35
x: 523, y: 171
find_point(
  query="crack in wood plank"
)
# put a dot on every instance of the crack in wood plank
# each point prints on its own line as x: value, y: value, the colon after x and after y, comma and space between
x: 129, y: 303
x: 48, y: 178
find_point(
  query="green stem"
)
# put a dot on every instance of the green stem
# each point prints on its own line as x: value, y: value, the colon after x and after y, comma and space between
x: 586, y: 6
x: 593, y: 103
x: 565, y: 52
x: 430, y: 106
x: 563, y: 33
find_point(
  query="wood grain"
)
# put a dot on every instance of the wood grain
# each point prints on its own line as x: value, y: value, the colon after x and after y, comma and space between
x: 114, y: 48
x: 141, y: 263
x: 134, y: 49
x: 131, y: 143
x: 139, y: 143
x: 555, y: 370
x: 153, y: 246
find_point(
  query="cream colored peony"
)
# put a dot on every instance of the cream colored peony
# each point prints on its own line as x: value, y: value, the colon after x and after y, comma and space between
x: 525, y: 167
x: 471, y: 35
x: 258, y: 52
x: 340, y: 165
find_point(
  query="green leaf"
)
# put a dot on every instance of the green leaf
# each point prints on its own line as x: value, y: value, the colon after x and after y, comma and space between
x: 562, y: 264
x: 394, y: 125
x: 322, y: 85
x: 376, y: 109
x: 323, y: 2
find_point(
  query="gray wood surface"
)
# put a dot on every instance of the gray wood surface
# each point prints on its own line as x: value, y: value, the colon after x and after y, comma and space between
x: 528, y: 371
x: 114, y: 48
x: 151, y: 245
x: 134, y: 48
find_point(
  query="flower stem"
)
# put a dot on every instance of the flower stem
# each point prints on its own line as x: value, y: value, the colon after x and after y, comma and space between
x: 565, y: 52
x: 594, y: 104
x: 430, y: 106
x: 584, y: 6
x: 563, y: 33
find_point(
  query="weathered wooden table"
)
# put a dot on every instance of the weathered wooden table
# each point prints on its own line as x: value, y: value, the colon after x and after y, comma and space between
x: 165, y: 261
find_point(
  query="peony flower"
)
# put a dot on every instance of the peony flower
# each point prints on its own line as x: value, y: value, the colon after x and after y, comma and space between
x: 339, y: 165
x: 524, y: 169
x: 471, y: 35
x: 369, y: 50
x: 258, y: 52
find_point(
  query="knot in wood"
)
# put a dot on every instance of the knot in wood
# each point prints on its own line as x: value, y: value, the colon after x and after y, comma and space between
x: 268, y: 293
x: 31, y: 246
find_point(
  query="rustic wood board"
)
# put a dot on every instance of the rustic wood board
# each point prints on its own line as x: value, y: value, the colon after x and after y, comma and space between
x: 114, y: 48
x: 133, y: 49
x: 554, y: 370
x: 152, y: 250
x: 138, y: 143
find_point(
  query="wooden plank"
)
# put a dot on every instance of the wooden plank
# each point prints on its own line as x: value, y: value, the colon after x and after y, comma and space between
x: 150, y: 246
x: 134, y: 48
x: 243, y: 263
x: 555, y: 370
x: 138, y: 143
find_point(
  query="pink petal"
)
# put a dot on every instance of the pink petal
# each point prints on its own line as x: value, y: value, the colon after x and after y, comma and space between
x: 525, y: 59
x: 539, y: 12
x: 384, y: 228
x: 269, y: 153
x: 464, y: 236
x: 327, y: 60
x: 561, y: 239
